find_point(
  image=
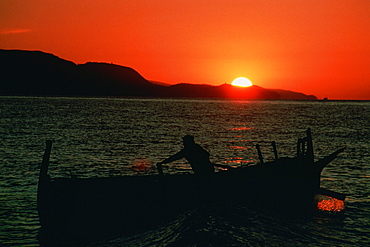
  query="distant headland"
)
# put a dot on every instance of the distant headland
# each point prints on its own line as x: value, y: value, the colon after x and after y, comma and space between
x: 35, y: 73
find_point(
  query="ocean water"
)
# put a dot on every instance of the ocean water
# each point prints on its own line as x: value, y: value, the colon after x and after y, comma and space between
x: 96, y: 137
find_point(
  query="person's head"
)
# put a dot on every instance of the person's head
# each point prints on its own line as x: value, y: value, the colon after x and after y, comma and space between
x: 188, y: 140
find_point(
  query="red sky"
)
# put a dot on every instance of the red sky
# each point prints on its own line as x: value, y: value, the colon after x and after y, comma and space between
x: 312, y: 46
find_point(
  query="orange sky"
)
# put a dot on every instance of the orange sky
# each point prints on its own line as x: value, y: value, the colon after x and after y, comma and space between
x: 312, y: 46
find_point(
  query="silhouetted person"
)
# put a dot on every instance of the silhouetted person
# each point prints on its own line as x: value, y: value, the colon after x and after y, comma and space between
x: 197, y: 157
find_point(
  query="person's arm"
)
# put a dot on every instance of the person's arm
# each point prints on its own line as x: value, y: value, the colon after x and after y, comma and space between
x: 174, y: 157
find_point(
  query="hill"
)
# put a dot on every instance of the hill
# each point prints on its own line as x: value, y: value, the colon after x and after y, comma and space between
x: 38, y: 73
x: 287, y: 94
x: 41, y: 74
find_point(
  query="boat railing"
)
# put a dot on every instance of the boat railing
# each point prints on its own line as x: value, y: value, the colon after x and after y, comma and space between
x: 304, y: 148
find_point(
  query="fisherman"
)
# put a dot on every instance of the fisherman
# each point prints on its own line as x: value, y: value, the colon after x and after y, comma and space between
x: 197, y: 157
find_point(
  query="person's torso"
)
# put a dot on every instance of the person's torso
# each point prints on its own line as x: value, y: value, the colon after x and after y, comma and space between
x: 198, y: 158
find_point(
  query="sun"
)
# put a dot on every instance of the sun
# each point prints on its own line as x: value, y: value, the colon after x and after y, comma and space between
x: 242, y: 82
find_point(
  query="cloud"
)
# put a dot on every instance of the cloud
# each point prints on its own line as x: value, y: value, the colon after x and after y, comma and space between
x: 14, y: 31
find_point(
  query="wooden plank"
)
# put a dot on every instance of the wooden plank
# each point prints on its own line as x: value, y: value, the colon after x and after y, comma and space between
x: 259, y: 153
x: 275, y: 150
x: 45, y: 161
x: 310, y: 154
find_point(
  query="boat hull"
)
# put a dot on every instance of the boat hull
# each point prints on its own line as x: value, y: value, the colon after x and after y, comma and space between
x: 81, y: 208
x: 91, y: 206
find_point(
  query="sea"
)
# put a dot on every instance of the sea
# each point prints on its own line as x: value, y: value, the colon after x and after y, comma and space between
x: 103, y: 137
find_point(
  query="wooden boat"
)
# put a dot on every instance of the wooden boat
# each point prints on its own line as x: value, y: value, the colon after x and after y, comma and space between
x: 91, y: 206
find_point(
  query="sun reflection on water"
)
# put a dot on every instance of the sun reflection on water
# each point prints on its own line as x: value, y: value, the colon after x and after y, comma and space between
x: 329, y: 204
x: 241, y: 128
x: 238, y: 147
x: 142, y: 165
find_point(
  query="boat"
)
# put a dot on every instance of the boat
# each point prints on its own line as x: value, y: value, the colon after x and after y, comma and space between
x: 78, y: 207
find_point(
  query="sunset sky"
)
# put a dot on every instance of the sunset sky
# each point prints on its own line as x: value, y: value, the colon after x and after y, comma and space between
x: 319, y: 47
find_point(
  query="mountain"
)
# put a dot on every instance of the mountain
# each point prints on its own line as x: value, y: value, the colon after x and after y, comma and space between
x: 42, y: 74
x: 34, y: 73
x: 113, y: 80
x: 287, y: 94
x: 161, y: 83
x: 38, y: 73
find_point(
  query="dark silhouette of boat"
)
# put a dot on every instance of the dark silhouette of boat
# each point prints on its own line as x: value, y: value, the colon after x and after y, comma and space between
x: 78, y: 207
